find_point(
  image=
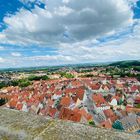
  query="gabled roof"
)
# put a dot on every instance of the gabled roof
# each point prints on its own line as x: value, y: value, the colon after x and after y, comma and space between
x: 13, y: 103
x: 134, y: 88
x: 106, y: 124
x: 95, y: 86
x: 86, y: 114
x: 80, y: 92
x: 19, y: 106
x: 65, y: 101
x: 52, y: 112
x: 76, y: 83
x: 68, y: 114
x: 108, y: 113
x: 98, y: 99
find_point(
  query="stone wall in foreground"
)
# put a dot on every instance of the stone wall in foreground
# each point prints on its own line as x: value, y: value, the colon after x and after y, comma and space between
x: 15, y: 125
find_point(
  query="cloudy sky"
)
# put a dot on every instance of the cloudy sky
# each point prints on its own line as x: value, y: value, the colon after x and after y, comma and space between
x: 55, y: 32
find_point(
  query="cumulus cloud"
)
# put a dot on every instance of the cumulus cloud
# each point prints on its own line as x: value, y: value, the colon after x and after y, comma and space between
x: 2, y: 60
x: 67, y: 21
x: 82, y: 52
x: 2, y: 48
x: 29, y: 2
x: 74, y: 28
x: 16, y: 54
x: 111, y: 51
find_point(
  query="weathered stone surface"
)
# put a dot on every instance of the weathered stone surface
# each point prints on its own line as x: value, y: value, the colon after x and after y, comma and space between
x: 15, y: 125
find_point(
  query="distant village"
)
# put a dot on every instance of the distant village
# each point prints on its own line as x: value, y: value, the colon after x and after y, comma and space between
x: 87, y: 96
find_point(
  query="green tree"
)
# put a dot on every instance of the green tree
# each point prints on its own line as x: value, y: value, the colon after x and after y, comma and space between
x: 24, y: 83
x: 36, y: 78
x: 117, y: 125
x: 91, y: 122
x: 2, y: 84
x: 2, y: 101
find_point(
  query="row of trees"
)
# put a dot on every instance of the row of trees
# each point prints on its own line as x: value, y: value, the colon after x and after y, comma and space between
x: 36, y: 78
x: 20, y: 83
x: 23, y: 82
x: 66, y: 75
x: 28, y: 81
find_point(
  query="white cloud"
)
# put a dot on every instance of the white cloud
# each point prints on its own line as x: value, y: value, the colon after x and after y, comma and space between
x: 126, y: 48
x: 29, y: 2
x: 16, y: 54
x: 2, y: 60
x: 82, y: 52
x: 73, y: 27
x: 63, y: 11
x: 67, y: 21
x: 2, y: 48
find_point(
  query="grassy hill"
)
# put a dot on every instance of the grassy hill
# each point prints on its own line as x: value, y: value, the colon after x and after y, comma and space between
x: 126, y: 64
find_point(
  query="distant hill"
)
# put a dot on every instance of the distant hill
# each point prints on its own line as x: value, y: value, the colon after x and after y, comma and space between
x: 126, y: 63
x: 80, y: 65
x: 52, y: 68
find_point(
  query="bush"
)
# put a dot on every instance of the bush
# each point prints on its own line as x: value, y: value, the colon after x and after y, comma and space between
x: 138, y: 106
x: 36, y: 78
x: 117, y: 125
x: 2, y: 102
x: 91, y: 123
x: 20, y: 83
x: 66, y: 75
x: 24, y: 83
x: 2, y: 84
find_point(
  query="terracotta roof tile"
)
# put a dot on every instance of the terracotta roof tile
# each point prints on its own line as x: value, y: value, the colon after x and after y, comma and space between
x: 106, y: 124
x: 52, y: 112
x: 98, y: 99
x: 65, y: 101
x: 95, y: 86
x: 67, y: 114
x: 19, y: 106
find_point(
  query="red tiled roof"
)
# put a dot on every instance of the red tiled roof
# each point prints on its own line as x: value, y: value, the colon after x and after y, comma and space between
x: 80, y: 93
x: 95, y: 86
x: 65, y: 101
x: 67, y: 114
x: 42, y: 112
x: 134, y: 88
x: 85, y: 114
x: 70, y: 90
x: 52, y: 112
x: 50, y: 102
x: 58, y: 92
x: 76, y: 83
x: 12, y: 103
x: 108, y: 113
x: 106, y: 124
x: 19, y: 106
x: 99, y: 99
